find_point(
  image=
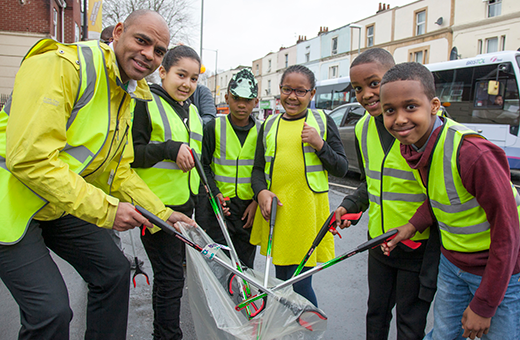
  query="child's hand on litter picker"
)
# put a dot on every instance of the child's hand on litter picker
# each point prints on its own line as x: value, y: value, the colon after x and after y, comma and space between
x: 222, y: 200
x: 265, y: 198
x: 404, y: 232
x: 340, y: 211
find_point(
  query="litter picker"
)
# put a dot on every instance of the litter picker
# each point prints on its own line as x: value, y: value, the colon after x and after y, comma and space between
x: 296, y: 309
x: 329, y: 224
x: 245, y: 291
x: 361, y: 248
x: 274, y: 205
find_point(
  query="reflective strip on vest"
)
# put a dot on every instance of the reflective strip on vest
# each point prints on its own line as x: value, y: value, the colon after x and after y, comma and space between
x: 316, y: 175
x: 87, y: 131
x: 167, y: 125
x: 394, y: 194
x: 462, y: 221
x: 7, y: 105
x: 232, y: 162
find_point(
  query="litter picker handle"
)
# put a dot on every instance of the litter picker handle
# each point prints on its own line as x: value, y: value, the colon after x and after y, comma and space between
x: 353, y: 217
x: 274, y: 206
x: 323, y: 231
x: 200, y: 169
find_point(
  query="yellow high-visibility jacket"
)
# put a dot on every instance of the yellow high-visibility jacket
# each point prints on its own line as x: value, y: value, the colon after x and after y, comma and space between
x: 44, y: 97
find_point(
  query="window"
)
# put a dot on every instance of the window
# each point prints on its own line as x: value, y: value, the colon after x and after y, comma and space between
x: 503, y: 43
x: 370, y: 36
x: 419, y: 55
x: 420, y: 22
x: 257, y: 69
x: 269, y: 65
x: 307, y: 57
x: 286, y: 61
x: 494, y: 8
x: 337, y: 115
x: 467, y: 91
x: 334, y: 45
x: 77, y: 32
x: 479, y: 46
x: 491, y: 45
x: 54, y: 23
x: 333, y: 72
x: 268, y: 90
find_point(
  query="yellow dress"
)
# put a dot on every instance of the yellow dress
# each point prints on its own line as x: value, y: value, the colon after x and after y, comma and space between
x: 303, y: 212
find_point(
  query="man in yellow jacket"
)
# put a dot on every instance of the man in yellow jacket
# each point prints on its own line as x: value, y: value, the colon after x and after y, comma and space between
x: 65, y: 153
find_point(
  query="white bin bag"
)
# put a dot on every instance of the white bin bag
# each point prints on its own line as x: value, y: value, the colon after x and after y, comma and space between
x: 213, y: 305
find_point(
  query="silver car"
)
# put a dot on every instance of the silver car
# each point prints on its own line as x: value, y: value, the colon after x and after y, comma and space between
x: 346, y: 116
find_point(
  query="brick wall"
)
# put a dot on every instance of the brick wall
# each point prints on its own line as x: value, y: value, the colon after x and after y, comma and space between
x: 33, y: 16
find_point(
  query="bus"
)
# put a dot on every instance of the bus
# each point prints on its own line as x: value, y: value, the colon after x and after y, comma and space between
x: 482, y: 93
x: 331, y: 93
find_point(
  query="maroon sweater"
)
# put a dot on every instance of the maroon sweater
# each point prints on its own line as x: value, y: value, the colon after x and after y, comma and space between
x: 485, y: 174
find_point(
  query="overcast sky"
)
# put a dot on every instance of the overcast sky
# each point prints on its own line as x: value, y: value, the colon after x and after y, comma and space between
x: 246, y: 30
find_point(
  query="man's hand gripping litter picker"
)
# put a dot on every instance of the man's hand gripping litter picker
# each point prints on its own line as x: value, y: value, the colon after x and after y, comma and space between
x: 245, y: 291
x: 295, y: 308
x: 329, y: 223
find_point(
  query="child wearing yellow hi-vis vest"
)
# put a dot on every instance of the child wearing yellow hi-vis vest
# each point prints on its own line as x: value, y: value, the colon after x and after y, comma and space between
x: 467, y: 181
x: 228, y: 151
x: 165, y: 131
x: 295, y: 152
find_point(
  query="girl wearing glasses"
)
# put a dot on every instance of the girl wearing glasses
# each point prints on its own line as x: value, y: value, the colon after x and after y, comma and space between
x: 292, y: 161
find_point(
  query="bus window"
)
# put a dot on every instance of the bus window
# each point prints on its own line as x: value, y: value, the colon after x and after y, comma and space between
x: 468, y: 94
x: 329, y: 97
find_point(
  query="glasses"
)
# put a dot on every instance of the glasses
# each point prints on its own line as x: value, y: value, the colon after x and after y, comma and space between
x: 287, y: 90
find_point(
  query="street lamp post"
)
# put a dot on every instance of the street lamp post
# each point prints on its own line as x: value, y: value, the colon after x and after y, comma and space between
x: 201, y: 25
x: 359, y: 39
x: 216, y: 60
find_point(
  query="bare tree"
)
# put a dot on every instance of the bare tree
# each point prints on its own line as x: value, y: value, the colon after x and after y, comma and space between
x: 175, y: 12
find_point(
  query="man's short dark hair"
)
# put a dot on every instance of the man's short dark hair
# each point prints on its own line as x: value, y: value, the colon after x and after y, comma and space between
x: 375, y: 55
x: 106, y: 34
x: 411, y: 71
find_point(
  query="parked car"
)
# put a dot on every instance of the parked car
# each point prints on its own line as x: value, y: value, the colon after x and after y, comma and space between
x: 346, y: 116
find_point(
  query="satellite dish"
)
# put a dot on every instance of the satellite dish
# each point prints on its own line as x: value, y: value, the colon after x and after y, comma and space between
x: 439, y: 21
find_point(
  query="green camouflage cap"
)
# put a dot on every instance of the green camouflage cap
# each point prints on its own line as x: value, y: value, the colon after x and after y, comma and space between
x: 244, y: 85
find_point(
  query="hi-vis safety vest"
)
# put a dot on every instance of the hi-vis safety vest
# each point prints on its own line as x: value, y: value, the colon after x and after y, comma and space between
x: 165, y: 178
x: 87, y: 131
x: 232, y: 162
x: 393, y: 192
x: 315, y: 173
x: 462, y: 221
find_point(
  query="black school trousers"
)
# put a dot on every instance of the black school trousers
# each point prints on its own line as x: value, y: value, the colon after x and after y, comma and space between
x: 166, y: 254
x: 34, y: 280
x: 394, y: 281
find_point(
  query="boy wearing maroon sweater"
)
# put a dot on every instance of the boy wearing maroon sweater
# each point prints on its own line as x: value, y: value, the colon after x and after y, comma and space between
x: 466, y: 179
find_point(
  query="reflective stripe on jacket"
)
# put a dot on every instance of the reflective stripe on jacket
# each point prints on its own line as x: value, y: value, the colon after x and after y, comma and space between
x: 462, y: 221
x: 317, y: 176
x: 232, y: 162
x: 393, y: 192
x: 165, y: 178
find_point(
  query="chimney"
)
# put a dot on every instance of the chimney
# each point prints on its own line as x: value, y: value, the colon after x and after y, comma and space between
x: 379, y: 10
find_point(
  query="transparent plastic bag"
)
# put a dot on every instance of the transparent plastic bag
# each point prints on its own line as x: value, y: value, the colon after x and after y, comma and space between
x: 214, y: 292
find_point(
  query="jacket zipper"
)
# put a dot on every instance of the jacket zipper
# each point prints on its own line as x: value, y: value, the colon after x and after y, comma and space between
x: 113, y: 138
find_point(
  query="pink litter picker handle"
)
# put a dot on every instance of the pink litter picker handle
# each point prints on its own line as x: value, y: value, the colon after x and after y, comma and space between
x: 409, y: 243
x: 354, y: 218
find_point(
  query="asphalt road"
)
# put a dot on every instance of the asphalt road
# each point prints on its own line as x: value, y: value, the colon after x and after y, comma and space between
x: 341, y: 290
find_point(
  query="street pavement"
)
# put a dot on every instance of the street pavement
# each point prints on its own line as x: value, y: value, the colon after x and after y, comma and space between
x: 341, y: 290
